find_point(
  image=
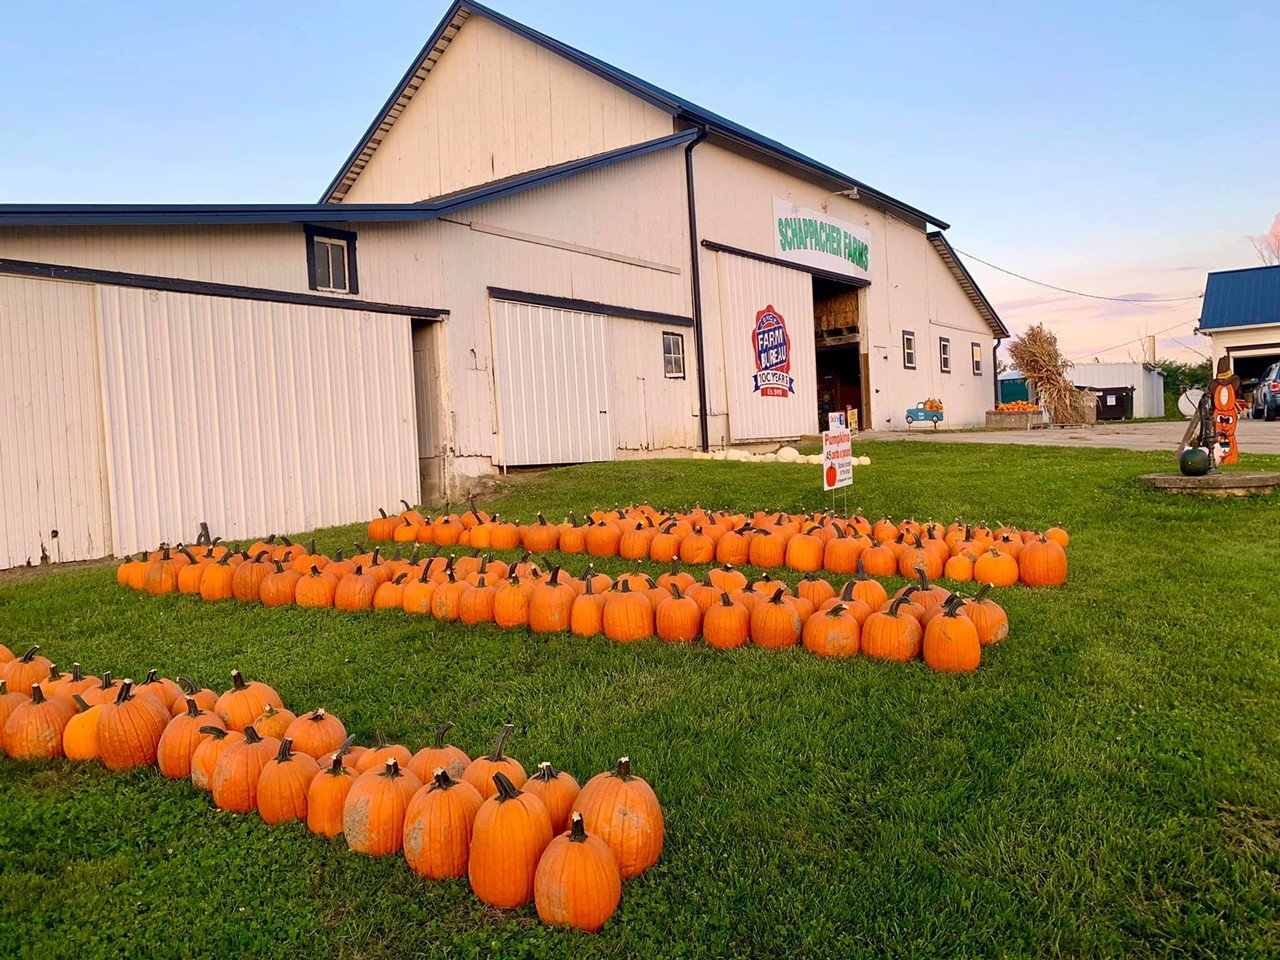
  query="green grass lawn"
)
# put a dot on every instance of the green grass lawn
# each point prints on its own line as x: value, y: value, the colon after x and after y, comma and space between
x: 1107, y: 783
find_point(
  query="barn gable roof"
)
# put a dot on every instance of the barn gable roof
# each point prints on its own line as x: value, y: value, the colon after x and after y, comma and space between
x: 968, y: 285
x: 678, y: 107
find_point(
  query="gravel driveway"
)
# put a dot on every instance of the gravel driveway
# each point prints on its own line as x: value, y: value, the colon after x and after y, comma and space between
x: 1255, y: 436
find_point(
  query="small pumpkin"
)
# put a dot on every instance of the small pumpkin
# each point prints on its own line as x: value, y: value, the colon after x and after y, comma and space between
x: 677, y: 619
x: 586, y: 613
x: 205, y: 698
x: 577, y: 883
x: 317, y: 733
x: 775, y: 624
x: 996, y: 568
x: 245, y: 701
x: 511, y: 831
x: 557, y: 790
x: 892, y: 634
x: 628, y: 615
x: 453, y: 760
x: 551, y: 603
x: 438, y: 825
x: 1042, y: 563
x: 205, y: 759
x: 951, y: 641
x: 22, y: 672
x: 623, y: 810
x: 80, y: 735
x: 327, y: 796
x: 726, y: 624
x: 377, y: 759
x: 987, y: 616
x: 480, y: 771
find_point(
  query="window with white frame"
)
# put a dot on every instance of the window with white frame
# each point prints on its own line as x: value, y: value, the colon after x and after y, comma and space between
x: 944, y: 354
x: 331, y: 260
x: 977, y: 358
x: 908, y: 350
x: 673, y: 356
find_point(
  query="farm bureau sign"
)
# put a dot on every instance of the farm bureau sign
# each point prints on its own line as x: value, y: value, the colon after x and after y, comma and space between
x: 772, y: 347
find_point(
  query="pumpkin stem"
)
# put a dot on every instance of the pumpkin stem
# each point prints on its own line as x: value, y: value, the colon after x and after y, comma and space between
x: 343, y: 750
x: 507, y: 730
x: 250, y: 735
x: 725, y: 599
x: 982, y: 593
x: 439, y: 744
x: 285, y: 753
x: 861, y: 572
x: 441, y: 779
x: 577, y: 834
x: 506, y: 789
x: 54, y: 673
x: 80, y: 702
x: 392, y: 769
x: 675, y: 590
x: 894, y: 607
x: 105, y: 682
x: 30, y: 654
x: 335, y: 764
x: 216, y: 732
x: 37, y: 695
x: 777, y: 595
x: 75, y: 672
x: 237, y: 681
x: 837, y: 610
x: 125, y: 694
x: 546, y: 772
x: 623, y: 772
x: 188, y: 687
x: 924, y: 581
x: 193, y: 709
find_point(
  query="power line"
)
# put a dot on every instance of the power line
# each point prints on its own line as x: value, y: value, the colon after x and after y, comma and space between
x: 1077, y: 293
x: 1139, y: 339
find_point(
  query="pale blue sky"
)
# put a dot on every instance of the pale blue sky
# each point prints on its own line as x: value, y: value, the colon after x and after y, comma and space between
x: 1118, y: 148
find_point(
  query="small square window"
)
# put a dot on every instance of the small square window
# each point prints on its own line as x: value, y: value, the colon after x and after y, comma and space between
x: 673, y: 356
x: 944, y: 354
x: 908, y: 350
x: 331, y: 260
x: 977, y: 358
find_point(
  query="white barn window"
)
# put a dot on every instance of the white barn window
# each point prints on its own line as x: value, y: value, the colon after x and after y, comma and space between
x: 908, y: 350
x: 977, y: 358
x: 673, y: 356
x: 944, y: 354
x: 331, y: 260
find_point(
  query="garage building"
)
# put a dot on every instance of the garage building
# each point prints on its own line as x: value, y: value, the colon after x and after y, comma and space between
x: 531, y: 257
x: 1241, y: 316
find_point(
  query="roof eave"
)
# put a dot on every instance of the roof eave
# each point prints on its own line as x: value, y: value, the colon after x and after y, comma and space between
x: 968, y: 284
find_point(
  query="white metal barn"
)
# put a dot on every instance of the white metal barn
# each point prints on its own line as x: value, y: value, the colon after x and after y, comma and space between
x: 531, y: 257
x: 1146, y: 379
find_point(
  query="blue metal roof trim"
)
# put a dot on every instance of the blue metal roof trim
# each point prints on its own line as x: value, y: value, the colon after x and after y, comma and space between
x: 665, y: 100
x: 109, y: 214
x: 1241, y: 298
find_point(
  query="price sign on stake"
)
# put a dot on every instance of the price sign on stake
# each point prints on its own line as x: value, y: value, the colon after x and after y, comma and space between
x: 837, y: 459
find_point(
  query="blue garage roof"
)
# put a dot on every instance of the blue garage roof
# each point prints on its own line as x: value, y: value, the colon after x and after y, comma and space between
x: 1241, y: 298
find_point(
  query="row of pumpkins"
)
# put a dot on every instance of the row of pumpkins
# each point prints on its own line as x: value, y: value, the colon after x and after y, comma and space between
x: 805, y: 543
x: 516, y: 838
x: 724, y: 608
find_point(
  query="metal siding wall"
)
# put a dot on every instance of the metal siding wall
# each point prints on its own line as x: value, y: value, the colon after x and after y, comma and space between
x: 552, y: 385
x: 51, y: 432
x: 747, y: 287
x: 255, y: 417
x: 650, y: 411
x: 495, y: 105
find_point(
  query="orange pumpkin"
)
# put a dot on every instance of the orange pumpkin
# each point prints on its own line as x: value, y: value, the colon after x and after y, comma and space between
x: 316, y: 734
x: 951, y: 641
x: 80, y: 735
x: 577, y: 883
x: 35, y: 726
x: 511, y: 831
x: 327, y: 796
x: 892, y: 634
x: 775, y: 624
x: 726, y: 624
x: 205, y: 759
x: 245, y: 701
x: 623, y: 810
x: 284, y: 783
x: 480, y: 771
x: 438, y: 825
x: 374, y: 813
x: 235, y: 775
x: 182, y: 736
x: 22, y: 672
x: 130, y: 728
x: 628, y: 615
x: 557, y: 790
x: 1043, y: 563
x: 833, y: 633
x: 453, y: 760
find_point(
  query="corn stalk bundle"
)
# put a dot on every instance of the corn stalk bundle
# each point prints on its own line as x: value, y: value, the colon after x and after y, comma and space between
x: 1037, y: 356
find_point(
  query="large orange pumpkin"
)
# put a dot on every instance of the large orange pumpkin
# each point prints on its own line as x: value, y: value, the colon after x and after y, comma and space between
x: 951, y: 641
x: 327, y: 796
x: 35, y: 727
x: 30, y: 668
x: 373, y: 816
x: 205, y: 759
x: 481, y: 770
x: 317, y: 733
x: 283, y: 785
x: 130, y: 728
x: 245, y: 701
x: 511, y: 831
x: 453, y: 760
x: 577, y: 883
x: 623, y: 810
x: 557, y: 790
x: 182, y: 736
x: 235, y: 776
x: 438, y: 824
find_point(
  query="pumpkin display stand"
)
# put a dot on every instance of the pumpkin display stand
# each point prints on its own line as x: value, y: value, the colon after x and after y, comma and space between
x: 1231, y: 483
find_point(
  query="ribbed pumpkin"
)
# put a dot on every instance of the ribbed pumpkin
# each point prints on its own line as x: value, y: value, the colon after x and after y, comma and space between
x: 246, y: 582
x: 511, y: 831
x: 162, y: 573
x: 951, y: 641
x: 557, y: 790
x: 77, y: 682
x: 475, y: 605
x: 419, y: 592
x: 162, y: 688
x: 775, y: 624
x: 35, y: 727
x: 577, y: 883
x: 8, y: 703
x: 235, y: 775
x: 550, y: 604
x: 804, y: 551
x: 104, y: 691
x: 278, y: 587
x: 623, y: 810
x: 511, y: 603
x: 726, y: 624
x: 216, y: 582
x: 181, y: 737
x: 481, y: 770
x: 80, y: 735
x: 130, y: 728
x: 832, y: 633
x: 376, y: 759
x: 892, y: 634
x: 1043, y: 563
x: 373, y: 816
x: 327, y: 796
x: 996, y: 568
x: 438, y: 824
x: 815, y: 589
x: 205, y: 759
x: 283, y: 785
x: 245, y: 701
x: 586, y: 613
x: 628, y: 615
x: 355, y: 591
x: 315, y: 589
x: 453, y: 760
x: 316, y: 734
x: 676, y: 619
x: 987, y: 617
x: 30, y: 668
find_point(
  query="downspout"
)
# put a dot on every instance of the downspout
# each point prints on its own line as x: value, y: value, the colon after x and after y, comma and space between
x: 696, y: 280
x: 995, y: 371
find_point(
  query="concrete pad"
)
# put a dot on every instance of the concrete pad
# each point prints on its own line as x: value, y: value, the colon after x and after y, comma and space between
x: 1254, y: 436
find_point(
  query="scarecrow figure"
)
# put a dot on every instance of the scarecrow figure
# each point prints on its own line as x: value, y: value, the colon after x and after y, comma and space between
x: 1225, y: 389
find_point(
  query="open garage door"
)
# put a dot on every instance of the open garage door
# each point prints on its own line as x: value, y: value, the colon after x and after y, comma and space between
x: 552, y: 384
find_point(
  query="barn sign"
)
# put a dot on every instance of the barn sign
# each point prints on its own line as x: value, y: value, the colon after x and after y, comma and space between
x: 772, y: 345
x: 816, y: 239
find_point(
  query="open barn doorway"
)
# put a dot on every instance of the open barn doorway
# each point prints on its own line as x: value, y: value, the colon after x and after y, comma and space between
x: 842, y: 366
